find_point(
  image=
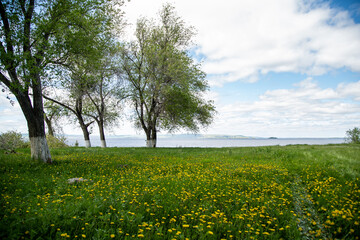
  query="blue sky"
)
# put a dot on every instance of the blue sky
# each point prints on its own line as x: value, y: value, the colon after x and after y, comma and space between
x: 284, y: 68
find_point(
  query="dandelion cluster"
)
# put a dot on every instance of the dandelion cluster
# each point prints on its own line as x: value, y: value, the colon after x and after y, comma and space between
x: 177, y: 194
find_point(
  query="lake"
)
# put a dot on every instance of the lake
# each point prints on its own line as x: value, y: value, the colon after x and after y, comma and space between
x: 172, y: 142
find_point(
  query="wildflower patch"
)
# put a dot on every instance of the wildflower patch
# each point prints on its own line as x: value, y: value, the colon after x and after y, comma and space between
x: 291, y: 192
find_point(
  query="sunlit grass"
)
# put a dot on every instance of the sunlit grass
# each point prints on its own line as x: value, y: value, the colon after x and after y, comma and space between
x: 232, y: 193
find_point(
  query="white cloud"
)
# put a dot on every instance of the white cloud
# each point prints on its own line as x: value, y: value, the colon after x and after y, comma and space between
x: 306, y: 110
x: 11, y: 117
x: 242, y: 39
x: 351, y: 90
x: 303, y: 111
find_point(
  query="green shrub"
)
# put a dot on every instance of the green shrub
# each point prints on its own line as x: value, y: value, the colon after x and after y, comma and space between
x: 56, y: 142
x: 353, y: 135
x: 12, y: 140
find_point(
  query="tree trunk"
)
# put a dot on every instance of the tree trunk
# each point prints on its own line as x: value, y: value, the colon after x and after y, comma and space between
x: 102, y: 134
x: 39, y: 149
x: 36, y: 126
x: 151, y: 138
x: 49, y: 125
x: 151, y: 143
x: 86, y: 134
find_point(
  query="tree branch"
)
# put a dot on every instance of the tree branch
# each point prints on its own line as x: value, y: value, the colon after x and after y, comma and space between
x: 60, y: 103
x: 7, y: 31
x: 27, y: 25
x: 93, y: 102
x: 88, y: 124
x: 5, y: 80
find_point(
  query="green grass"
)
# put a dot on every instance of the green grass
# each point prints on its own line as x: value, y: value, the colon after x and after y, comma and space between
x: 292, y: 192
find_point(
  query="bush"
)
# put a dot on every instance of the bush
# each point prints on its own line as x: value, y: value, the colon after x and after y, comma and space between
x: 56, y: 142
x: 353, y: 135
x: 12, y: 140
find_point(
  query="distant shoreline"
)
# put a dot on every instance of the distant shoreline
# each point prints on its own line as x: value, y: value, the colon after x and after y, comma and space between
x: 190, y: 136
x: 200, y: 141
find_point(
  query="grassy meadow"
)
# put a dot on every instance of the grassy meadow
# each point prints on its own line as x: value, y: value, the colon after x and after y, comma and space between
x: 292, y: 192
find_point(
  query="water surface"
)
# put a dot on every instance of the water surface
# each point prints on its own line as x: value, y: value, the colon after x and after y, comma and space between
x: 119, y: 141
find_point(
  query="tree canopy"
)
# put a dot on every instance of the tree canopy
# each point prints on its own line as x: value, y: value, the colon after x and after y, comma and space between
x: 73, y: 46
x: 353, y: 135
x: 165, y: 85
x: 37, y: 35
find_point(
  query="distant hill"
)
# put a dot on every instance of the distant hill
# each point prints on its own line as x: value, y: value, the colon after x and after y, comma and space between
x: 204, y: 136
x: 226, y: 136
x: 172, y: 136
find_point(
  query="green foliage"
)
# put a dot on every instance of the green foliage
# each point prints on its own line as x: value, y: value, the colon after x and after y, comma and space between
x: 56, y: 141
x: 353, y: 135
x: 89, y: 79
x: 292, y: 192
x: 38, y: 36
x: 12, y: 140
x: 165, y: 85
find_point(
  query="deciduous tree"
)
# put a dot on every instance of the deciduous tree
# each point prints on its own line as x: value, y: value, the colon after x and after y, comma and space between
x: 166, y: 86
x: 353, y: 135
x: 36, y: 35
x: 105, y: 93
x: 91, y: 87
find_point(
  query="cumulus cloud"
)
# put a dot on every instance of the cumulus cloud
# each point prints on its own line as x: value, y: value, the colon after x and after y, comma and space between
x: 351, y: 90
x: 302, y: 111
x: 242, y: 39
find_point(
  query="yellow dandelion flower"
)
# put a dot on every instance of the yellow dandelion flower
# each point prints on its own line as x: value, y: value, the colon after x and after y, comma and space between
x: 112, y: 235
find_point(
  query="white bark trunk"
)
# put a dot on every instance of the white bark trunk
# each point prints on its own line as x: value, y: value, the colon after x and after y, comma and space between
x: 87, y: 143
x: 151, y: 143
x: 40, y: 150
x: 103, y: 143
